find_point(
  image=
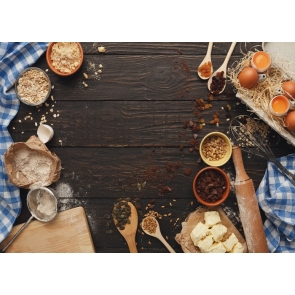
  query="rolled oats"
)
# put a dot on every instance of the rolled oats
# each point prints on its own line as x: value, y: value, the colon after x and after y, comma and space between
x: 33, y: 86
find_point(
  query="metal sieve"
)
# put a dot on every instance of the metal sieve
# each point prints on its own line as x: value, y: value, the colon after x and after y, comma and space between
x: 42, y: 204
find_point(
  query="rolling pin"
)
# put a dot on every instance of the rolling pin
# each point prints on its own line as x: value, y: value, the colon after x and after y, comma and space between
x: 248, y: 206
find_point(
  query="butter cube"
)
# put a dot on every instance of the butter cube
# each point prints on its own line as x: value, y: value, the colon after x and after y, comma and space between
x: 237, y: 248
x: 206, y: 243
x: 218, y: 231
x: 217, y: 248
x: 199, y: 232
x: 211, y: 218
x: 230, y: 242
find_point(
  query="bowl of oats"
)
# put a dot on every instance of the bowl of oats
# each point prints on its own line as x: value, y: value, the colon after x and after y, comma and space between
x: 215, y: 149
x: 64, y: 58
x: 33, y: 86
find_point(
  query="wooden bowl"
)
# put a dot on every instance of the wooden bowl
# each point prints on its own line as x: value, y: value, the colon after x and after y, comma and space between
x: 226, y: 188
x: 56, y: 71
x: 222, y: 160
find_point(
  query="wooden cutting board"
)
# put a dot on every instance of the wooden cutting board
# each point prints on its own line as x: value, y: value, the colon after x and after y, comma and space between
x: 68, y: 232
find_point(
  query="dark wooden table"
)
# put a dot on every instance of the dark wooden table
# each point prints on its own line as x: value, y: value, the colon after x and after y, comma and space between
x: 127, y: 128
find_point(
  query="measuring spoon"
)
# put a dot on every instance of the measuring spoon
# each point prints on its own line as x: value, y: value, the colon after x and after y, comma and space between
x: 206, y: 59
x: 130, y: 229
x: 42, y: 204
x: 223, y: 69
x: 157, y: 234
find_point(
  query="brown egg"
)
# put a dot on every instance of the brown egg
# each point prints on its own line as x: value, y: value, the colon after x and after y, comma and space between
x: 290, y: 121
x: 248, y: 78
x: 289, y: 89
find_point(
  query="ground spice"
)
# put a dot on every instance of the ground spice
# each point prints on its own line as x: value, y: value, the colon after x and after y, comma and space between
x: 205, y: 69
x: 210, y: 185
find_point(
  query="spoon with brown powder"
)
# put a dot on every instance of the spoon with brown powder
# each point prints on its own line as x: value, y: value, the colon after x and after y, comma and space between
x: 217, y: 82
x: 151, y: 227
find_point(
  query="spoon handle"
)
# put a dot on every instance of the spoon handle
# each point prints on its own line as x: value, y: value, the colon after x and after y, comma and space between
x: 16, y: 235
x: 229, y: 53
x: 170, y: 249
x: 209, y: 48
x: 131, y: 244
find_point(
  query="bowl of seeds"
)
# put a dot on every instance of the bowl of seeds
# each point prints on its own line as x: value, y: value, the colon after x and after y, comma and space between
x: 215, y: 149
x: 64, y: 58
x: 33, y: 86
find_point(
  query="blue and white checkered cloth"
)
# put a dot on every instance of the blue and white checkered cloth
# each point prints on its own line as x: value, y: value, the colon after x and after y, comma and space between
x: 14, y: 57
x: 276, y: 197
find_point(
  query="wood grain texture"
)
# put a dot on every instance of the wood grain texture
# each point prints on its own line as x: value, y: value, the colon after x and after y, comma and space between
x: 126, y: 128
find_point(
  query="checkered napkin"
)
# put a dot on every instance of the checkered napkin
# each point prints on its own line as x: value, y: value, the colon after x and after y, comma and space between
x: 14, y: 57
x: 276, y: 197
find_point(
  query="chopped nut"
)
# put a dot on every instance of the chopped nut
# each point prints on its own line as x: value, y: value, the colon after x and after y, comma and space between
x: 101, y: 49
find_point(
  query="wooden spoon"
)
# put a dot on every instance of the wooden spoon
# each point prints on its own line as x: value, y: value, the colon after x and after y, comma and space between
x: 157, y: 234
x: 223, y: 68
x: 206, y: 59
x: 130, y: 229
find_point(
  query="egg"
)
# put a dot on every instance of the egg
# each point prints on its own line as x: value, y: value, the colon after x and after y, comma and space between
x: 289, y: 89
x: 290, y: 121
x: 248, y: 77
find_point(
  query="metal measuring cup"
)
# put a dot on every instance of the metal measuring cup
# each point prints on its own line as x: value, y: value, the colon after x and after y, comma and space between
x: 34, y: 203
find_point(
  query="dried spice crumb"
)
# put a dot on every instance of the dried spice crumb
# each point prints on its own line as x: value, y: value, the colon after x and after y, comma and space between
x: 187, y: 171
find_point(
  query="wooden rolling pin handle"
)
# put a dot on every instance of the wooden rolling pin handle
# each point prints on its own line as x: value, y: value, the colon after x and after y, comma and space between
x: 248, y: 207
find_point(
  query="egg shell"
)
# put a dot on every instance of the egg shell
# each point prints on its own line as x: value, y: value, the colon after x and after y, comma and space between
x: 248, y: 77
x: 289, y: 89
x: 290, y: 121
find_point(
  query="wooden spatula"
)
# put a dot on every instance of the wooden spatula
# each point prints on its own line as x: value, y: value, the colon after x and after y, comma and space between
x: 129, y: 232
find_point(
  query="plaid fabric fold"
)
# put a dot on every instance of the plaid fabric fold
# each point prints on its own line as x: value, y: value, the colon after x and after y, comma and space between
x: 275, y: 196
x: 14, y: 57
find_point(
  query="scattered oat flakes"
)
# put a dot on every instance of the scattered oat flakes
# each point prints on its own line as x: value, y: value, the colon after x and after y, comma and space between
x: 22, y: 132
x: 54, y: 115
x: 86, y: 85
x: 101, y: 49
x: 100, y: 66
x: 85, y: 75
x: 99, y: 71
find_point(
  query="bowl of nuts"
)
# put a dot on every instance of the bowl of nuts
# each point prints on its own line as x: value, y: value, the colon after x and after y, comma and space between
x: 64, y: 58
x: 33, y: 86
x: 211, y: 186
x: 215, y: 149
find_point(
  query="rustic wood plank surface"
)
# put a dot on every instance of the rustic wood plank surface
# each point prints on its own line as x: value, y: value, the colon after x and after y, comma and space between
x: 126, y: 128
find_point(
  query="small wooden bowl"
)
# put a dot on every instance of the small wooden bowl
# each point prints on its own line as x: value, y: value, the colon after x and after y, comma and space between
x: 226, y: 157
x: 53, y: 69
x: 225, y: 193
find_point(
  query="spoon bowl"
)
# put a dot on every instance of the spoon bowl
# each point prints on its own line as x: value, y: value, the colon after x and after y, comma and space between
x: 154, y: 231
x: 129, y: 231
x: 206, y: 59
x: 223, y: 69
